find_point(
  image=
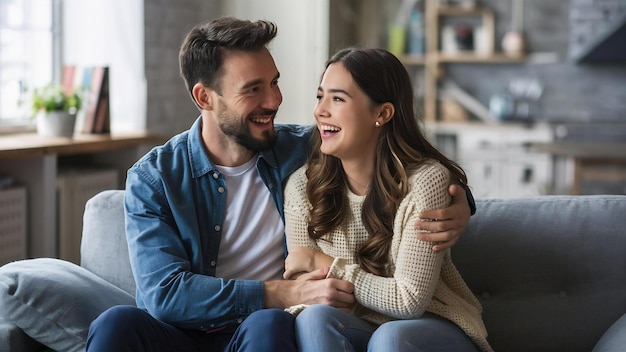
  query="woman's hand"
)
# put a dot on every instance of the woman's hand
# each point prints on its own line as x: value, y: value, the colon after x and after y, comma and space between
x: 304, y: 260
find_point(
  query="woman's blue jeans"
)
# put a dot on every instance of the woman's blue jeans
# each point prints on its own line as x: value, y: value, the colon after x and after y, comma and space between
x: 324, y: 328
x: 127, y: 328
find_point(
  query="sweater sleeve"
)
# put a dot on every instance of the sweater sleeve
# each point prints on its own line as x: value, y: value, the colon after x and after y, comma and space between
x: 296, y: 207
x: 413, y: 266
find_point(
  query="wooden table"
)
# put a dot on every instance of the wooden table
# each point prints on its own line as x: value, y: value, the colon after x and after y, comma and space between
x: 29, y: 145
x: 593, y: 161
x: 34, y: 162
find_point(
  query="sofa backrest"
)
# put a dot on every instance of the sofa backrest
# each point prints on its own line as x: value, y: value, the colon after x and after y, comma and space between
x: 103, y: 248
x: 549, y: 271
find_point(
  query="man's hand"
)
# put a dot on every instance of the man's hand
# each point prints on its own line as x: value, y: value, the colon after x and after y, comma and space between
x: 444, y: 226
x: 309, y: 288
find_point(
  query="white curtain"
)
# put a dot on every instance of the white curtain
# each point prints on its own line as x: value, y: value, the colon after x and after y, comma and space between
x: 110, y: 33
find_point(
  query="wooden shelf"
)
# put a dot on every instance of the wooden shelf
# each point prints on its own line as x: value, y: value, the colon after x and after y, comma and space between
x: 462, y: 57
x: 598, y: 151
x: 29, y: 145
x: 461, y: 11
x: 434, y: 58
x: 413, y: 59
x: 471, y: 57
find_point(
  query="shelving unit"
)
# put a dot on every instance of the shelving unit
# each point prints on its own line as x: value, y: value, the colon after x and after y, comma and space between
x: 434, y: 58
x: 495, y: 157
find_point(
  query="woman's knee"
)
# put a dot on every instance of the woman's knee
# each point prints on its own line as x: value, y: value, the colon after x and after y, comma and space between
x: 265, y: 330
x: 325, y: 328
x: 317, y: 314
x: 387, y: 333
x: 271, y: 318
x: 425, y: 334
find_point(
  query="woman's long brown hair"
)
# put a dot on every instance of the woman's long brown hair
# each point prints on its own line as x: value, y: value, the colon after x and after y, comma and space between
x: 400, y: 148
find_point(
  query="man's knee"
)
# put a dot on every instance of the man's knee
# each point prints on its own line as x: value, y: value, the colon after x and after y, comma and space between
x: 114, y: 324
x: 270, y: 319
x: 118, y: 317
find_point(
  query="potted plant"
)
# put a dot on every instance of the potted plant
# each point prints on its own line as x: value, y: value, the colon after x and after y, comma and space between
x: 55, y: 111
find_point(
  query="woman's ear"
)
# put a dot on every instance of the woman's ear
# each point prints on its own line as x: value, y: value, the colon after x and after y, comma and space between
x: 387, y: 111
x: 202, y: 96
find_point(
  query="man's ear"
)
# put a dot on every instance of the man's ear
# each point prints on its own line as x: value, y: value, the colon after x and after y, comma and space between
x: 202, y: 96
x: 387, y: 111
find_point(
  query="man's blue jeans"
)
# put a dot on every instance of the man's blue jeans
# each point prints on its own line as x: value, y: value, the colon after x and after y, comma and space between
x: 324, y: 328
x: 127, y: 328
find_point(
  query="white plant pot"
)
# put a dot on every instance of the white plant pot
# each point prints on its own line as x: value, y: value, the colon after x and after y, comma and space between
x: 55, y: 124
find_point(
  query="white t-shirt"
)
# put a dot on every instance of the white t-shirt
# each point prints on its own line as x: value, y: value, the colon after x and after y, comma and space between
x: 250, y: 249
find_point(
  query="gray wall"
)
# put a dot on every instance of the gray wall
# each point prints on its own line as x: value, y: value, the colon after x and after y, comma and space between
x: 169, y: 108
x: 573, y: 92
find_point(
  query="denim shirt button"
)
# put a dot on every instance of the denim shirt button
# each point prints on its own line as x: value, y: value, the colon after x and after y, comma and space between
x: 215, y: 175
x: 270, y: 185
x: 220, y: 189
x: 213, y: 263
x: 217, y: 227
x: 239, y: 321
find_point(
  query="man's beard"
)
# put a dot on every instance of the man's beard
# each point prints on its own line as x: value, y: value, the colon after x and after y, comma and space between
x: 233, y: 126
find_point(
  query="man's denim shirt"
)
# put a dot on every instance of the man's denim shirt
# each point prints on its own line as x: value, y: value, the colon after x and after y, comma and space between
x: 175, y: 202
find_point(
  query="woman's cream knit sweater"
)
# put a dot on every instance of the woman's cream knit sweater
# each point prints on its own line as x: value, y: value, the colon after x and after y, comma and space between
x: 418, y: 279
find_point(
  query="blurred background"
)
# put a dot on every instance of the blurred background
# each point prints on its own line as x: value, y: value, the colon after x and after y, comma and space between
x: 528, y: 95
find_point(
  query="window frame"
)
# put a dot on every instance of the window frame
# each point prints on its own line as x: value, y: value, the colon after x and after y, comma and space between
x: 13, y: 124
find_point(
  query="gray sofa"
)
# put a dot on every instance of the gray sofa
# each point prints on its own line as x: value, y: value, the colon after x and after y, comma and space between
x: 550, y: 272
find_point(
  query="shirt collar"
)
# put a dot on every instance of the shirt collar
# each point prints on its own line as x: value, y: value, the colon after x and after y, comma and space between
x: 201, y: 164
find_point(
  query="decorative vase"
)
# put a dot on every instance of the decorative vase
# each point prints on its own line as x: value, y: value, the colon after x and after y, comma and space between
x: 55, y: 124
x: 513, y: 43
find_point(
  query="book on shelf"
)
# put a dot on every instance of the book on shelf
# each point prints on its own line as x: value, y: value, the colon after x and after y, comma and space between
x: 68, y: 73
x: 96, y: 117
x: 102, y: 118
x: 93, y: 84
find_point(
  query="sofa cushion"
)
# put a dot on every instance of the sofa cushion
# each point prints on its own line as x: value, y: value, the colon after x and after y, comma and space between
x: 613, y: 339
x: 54, y: 301
x: 14, y: 339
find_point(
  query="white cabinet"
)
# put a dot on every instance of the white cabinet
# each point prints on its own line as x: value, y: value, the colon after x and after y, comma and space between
x: 497, y: 158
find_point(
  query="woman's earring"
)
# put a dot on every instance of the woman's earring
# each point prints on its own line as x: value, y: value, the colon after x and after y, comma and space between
x: 377, y: 124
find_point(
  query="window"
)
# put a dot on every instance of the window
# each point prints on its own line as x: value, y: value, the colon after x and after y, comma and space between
x: 29, y: 54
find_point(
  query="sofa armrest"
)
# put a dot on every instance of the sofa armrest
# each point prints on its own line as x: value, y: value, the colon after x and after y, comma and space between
x: 613, y: 339
x: 13, y: 339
